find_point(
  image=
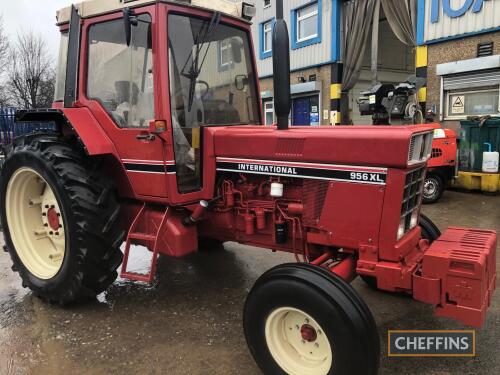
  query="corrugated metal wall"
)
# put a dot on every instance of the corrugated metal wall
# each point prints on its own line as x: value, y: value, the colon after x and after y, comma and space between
x: 487, y: 18
x: 303, y: 57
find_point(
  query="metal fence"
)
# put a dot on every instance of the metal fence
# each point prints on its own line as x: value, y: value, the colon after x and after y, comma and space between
x: 9, y: 129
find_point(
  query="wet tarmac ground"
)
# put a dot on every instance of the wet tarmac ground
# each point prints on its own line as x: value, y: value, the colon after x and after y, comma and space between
x: 189, y: 322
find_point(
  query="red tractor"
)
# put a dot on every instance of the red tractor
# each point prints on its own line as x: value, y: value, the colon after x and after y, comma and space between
x: 159, y: 142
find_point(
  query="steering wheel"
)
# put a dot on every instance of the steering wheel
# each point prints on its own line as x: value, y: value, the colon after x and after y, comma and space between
x: 207, y: 86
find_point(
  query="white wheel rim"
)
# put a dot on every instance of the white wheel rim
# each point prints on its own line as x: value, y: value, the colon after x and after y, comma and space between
x: 36, y: 224
x: 430, y: 187
x: 297, y: 342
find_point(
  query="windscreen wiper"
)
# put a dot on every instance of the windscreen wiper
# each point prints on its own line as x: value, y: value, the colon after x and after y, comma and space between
x: 193, y: 72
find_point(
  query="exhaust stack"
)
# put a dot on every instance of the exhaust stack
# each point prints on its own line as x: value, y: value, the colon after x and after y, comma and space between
x: 281, y: 68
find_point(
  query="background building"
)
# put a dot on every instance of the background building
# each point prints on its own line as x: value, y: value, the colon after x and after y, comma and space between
x: 461, y: 40
x: 454, y: 43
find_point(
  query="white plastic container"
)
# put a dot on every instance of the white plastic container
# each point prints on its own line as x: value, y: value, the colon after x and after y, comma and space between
x: 276, y: 190
x: 490, y: 162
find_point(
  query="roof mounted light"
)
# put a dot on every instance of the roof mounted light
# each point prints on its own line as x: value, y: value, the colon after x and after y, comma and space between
x: 248, y: 11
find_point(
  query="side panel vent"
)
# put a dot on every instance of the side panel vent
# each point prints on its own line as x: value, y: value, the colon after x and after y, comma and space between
x: 314, y: 194
x: 290, y: 147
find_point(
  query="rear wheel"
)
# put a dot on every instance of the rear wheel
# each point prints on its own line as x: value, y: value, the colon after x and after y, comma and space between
x: 434, y: 187
x: 301, y: 319
x: 60, y: 217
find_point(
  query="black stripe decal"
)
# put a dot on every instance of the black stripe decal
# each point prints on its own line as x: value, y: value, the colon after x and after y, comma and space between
x: 149, y: 168
x: 375, y: 178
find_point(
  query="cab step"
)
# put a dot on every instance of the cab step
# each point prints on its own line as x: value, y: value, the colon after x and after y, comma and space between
x: 135, y: 235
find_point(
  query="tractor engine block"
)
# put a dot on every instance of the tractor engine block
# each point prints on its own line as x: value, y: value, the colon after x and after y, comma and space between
x: 263, y: 210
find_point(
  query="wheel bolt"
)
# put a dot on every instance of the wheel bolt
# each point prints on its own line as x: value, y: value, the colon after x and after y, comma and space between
x: 57, y: 233
x: 51, y: 233
x: 44, y: 214
x: 47, y: 206
x: 45, y: 225
x: 307, y: 320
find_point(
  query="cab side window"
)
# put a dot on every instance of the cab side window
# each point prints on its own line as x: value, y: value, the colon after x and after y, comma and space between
x: 121, y: 76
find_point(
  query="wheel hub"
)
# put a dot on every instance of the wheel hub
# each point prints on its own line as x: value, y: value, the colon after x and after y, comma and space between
x: 308, y: 333
x: 53, y: 219
x: 429, y: 187
x: 298, y: 343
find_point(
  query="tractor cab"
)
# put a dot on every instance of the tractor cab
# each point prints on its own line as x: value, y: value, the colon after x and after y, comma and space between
x: 153, y: 73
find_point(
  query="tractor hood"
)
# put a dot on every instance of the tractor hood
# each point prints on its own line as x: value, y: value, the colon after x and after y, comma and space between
x: 379, y: 146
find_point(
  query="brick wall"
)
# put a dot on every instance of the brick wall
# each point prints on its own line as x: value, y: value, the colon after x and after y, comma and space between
x: 453, y: 50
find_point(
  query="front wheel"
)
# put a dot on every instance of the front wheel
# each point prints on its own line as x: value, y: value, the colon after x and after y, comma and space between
x: 434, y: 187
x: 301, y: 319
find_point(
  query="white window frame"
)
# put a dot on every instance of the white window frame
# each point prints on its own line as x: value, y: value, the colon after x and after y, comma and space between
x: 267, y: 28
x: 269, y: 108
x: 304, y: 17
x: 224, y: 45
x: 449, y: 93
x: 267, y: 4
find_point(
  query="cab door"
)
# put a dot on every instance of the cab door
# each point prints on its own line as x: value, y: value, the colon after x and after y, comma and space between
x: 119, y: 85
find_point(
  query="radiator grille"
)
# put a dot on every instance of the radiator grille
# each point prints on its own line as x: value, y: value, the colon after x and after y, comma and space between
x: 314, y: 194
x: 412, y: 198
x: 420, y: 148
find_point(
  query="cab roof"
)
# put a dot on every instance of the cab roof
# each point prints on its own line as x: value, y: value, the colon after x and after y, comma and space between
x: 92, y: 8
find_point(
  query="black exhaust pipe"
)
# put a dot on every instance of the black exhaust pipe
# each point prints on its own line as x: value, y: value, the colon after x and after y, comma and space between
x: 281, y: 68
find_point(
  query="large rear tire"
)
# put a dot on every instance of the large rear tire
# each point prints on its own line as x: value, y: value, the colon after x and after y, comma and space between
x: 60, y: 217
x: 301, y: 319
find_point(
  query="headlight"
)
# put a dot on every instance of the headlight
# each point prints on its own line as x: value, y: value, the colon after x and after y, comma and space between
x: 401, y: 229
x: 414, y: 219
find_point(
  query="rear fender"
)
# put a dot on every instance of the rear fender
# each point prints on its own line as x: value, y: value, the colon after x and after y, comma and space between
x: 78, y: 120
x: 81, y: 123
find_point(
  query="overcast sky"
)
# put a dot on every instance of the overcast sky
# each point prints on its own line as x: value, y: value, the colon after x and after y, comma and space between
x: 37, y: 15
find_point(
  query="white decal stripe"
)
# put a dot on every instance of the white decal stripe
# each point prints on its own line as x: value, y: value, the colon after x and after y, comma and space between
x: 306, y: 177
x: 305, y: 165
x: 151, y: 162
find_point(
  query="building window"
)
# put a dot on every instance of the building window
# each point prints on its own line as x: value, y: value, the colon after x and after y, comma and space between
x: 225, y: 55
x: 267, y: 3
x: 266, y: 39
x: 269, y: 112
x: 306, y: 25
x: 460, y: 104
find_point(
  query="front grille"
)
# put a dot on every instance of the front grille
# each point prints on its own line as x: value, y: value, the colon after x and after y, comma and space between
x: 420, y: 148
x: 412, y: 198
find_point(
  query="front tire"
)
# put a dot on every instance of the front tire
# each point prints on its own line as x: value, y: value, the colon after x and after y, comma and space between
x: 60, y: 217
x: 301, y: 319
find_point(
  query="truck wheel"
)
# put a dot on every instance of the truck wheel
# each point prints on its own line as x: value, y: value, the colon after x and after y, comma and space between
x: 433, y: 188
x: 301, y: 319
x: 429, y: 232
x: 60, y: 220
